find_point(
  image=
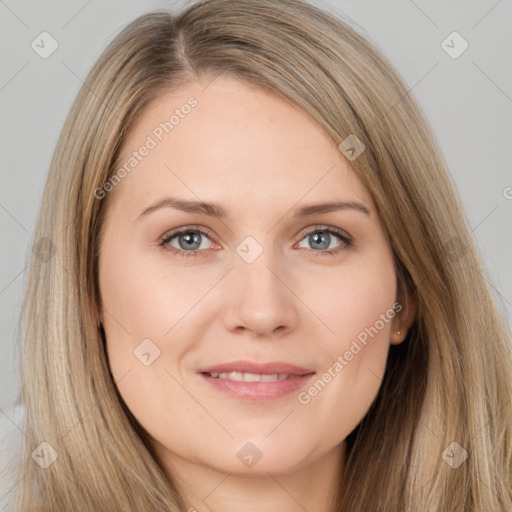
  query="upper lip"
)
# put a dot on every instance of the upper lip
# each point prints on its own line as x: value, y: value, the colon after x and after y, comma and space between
x: 257, y: 368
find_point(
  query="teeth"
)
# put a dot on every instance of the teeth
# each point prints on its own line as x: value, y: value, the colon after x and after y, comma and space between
x: 250, y: 377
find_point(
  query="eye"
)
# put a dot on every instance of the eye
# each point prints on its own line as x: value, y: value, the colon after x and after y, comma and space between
x: 321, y: 237
x: 189, y: 241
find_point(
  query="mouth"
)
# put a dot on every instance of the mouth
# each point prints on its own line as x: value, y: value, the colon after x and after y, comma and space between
x: 251, y: 377
x: 253, y: 382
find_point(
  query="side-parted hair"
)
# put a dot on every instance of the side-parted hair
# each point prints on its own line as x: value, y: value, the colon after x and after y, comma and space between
x: 449, y: 382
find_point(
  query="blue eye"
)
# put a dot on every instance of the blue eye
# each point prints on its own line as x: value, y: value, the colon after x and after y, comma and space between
x: 189, y: 241
x: 322, y: 236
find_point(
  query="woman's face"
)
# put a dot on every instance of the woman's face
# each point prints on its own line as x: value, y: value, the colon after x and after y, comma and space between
x: 254, y: 291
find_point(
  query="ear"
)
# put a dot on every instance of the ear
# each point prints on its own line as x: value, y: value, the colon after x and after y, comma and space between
x: 404, y: 317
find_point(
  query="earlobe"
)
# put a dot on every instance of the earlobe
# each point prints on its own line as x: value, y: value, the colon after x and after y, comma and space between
x: 398, y: 336
x: 404, y: 319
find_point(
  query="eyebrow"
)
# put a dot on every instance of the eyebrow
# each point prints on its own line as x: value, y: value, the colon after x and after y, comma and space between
x: 215, y: 210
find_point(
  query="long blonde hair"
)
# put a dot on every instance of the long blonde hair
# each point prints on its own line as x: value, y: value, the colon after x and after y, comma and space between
x: 449, y: 382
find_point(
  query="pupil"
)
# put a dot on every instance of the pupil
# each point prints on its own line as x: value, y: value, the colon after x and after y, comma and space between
x: 316, y: 237
x: 191, y: 237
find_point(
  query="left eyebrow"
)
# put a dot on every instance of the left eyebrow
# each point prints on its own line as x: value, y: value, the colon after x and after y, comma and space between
x: 212, y: 209
x: 331, y: 207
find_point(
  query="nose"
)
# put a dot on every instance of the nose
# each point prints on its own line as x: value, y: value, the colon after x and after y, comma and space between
x: 261, y: 300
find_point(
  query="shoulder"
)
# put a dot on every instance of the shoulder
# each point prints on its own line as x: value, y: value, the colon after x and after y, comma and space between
x: 11, y: 424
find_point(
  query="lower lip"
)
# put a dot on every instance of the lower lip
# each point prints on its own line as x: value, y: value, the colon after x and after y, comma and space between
x: 258, y: 391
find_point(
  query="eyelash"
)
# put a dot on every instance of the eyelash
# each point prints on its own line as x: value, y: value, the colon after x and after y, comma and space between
x: 347, y: 241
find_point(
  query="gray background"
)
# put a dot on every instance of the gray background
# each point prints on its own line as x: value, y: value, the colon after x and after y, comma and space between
x: 468, y: 101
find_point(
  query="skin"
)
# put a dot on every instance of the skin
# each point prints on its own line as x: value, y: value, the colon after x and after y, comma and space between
x: 261, y: 158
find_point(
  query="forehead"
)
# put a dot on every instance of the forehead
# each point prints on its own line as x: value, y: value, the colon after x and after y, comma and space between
x: 232, y: 142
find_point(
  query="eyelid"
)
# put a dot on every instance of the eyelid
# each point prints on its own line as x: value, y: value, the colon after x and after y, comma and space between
x: 190, y: 227
x: 323, y: 227
x: 305, y: 231
x: 342, y: 234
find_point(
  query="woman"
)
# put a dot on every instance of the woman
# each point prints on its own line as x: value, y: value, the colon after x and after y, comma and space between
x: 266, y: 372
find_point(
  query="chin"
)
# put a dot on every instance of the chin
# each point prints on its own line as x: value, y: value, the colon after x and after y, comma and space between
x: 260, y: 456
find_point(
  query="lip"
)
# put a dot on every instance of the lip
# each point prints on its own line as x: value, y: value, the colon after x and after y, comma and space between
x: 258, y: 368
x: 257, y: 391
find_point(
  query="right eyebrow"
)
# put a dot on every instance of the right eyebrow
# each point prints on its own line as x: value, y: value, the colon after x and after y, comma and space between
x: 200, y: 207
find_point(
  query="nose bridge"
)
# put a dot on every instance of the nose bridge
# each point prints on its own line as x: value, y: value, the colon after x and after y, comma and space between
x: 260, y: 300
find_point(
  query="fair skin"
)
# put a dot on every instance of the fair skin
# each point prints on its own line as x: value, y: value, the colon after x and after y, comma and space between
x: 262, y: 159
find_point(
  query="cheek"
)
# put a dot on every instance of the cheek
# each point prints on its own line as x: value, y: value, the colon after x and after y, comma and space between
x: 360, y: 314
x: 150, y: 320
x: 354, y: 303
x: 139, y: 358
x: 357, y: 306
x: 142, y: 302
